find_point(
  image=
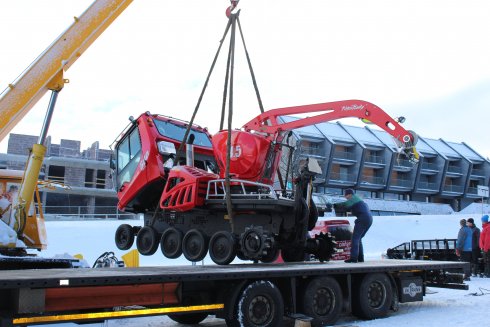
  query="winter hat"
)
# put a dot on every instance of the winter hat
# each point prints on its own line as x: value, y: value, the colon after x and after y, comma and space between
x: 484, y: 219
x: 349, y: 191
x: 470, y: 220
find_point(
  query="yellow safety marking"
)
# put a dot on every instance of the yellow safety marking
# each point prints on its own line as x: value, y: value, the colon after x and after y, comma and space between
x: 115, y: 314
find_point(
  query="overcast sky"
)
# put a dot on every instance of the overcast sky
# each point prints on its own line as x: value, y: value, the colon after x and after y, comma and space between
x: 427, y: 60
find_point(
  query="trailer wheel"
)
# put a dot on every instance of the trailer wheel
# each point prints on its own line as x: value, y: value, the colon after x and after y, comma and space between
x: 147, y: 241
x: 124, y: 237
x: 322, y: 301
x: 373, y: 298
x: 194, y: 245
x: 171, y: 243
x: 259, y: 305
x: 222, y: 248
x: 189, y: 318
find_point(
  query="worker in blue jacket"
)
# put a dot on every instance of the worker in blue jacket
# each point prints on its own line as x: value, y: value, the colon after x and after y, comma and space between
x: 361, y: 225
x: 464, y: 246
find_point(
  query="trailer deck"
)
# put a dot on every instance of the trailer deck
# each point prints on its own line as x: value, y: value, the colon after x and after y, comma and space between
x: 189, y: 293
x: 141, y: 275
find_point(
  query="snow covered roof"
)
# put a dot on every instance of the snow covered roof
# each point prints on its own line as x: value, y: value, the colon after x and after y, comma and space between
x: 442, y: 148
x: 335, y: 132
x: 364, y: 136
x: 310, y: 131
x: 465, y: 151
x: 423, y: 147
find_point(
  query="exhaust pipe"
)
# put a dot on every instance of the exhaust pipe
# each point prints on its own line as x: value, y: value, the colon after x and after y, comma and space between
x: 189, y: 151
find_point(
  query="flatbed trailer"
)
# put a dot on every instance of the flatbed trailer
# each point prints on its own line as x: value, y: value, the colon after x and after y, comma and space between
x: 242, y: 294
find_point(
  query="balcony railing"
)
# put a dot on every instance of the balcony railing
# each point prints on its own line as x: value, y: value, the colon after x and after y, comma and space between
x: 344, y: 155
x: 375, y: 159
x: 342, y: 177
x: 427, y: 186
x: 472, y: 190
x: 453, y: 188
x: 477, y: 172
x: 401, y: 182
x: 454, y: 169
x: 315, y: 151
x: 403, y: 163
x: 429, y: 166
x: 372, y: 180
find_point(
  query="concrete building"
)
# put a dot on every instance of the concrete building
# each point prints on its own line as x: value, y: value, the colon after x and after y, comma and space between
x: 87, y: 173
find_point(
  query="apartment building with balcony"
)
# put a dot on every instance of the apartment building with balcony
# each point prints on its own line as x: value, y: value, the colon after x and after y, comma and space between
x: 366, y: 159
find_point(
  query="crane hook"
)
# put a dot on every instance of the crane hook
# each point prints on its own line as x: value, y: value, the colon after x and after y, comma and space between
x: 234, y: 4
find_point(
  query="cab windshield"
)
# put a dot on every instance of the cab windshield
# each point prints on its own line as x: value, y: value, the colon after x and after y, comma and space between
x: 177, y: 133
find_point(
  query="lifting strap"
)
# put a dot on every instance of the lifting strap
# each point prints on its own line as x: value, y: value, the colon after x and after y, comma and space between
x: 227, y: 97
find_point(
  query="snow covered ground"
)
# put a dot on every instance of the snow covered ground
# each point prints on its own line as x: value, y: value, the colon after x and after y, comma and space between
x: 440, y: 308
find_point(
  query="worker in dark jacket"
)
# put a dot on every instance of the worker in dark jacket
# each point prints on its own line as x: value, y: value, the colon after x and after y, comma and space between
x: 464, y: 246
x: 361, y: 225
x: 475, y: 247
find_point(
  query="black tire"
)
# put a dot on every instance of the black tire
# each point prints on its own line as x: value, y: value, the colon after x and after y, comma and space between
x: 189, y: 318
x: 194, y: 245
x: 147, y: 241
x: 222, y: 248
x: 124, y: 237
x: 322, y: 300
x: 259, y: 305
x: 373, y: 298
x: 171, y: 243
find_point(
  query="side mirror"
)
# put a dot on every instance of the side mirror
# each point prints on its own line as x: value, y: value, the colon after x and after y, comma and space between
x: 112, y: 162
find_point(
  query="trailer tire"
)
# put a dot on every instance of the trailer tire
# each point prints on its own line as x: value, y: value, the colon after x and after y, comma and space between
x: 189, y: 318
x: 171, y: 243
x: 373, y: 298
x: 259, y: 305
x: 194, y: 245
x: 322, y: 301
x: 222, y: 248
x: 124, y: 237
x: 147, y: 241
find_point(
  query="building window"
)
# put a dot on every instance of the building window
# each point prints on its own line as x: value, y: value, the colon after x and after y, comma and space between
x: 56, y: 173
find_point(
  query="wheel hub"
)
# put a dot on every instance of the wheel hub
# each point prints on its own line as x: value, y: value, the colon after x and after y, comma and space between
x: 376, y: 295
x: 260, y: 310
x: 323, y: 302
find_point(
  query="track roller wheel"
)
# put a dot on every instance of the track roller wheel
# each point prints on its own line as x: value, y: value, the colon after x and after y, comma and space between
x: 322, y: 301
x: 222, y: 248
x: 271, y: 255
x: 124, y: 237
x: 147, y: 241
x: 373, y: 298
x: 194, y: 245
x: 171, y: 243
x: 260, y: 304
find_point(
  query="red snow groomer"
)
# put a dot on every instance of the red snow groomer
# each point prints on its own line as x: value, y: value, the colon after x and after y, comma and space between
x: 221, y: 198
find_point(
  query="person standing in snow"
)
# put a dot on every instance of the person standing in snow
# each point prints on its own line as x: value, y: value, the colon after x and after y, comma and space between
x: 361, y: 225
x: 464, y: 246
x: 475, y: 246
x: 485, y: 244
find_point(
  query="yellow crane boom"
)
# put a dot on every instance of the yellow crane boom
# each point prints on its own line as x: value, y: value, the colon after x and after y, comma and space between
x: 46, y: 73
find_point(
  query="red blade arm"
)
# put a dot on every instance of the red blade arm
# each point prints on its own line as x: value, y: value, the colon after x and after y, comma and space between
x: 268, y: 121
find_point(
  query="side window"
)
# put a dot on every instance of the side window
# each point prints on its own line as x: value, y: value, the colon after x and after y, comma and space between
x: 128, y: 156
